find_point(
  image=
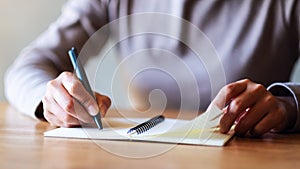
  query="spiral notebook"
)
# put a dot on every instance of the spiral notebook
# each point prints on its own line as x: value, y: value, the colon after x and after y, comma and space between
x: 203, y: 130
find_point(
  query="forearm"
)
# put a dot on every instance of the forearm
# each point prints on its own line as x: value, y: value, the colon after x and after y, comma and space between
x: 25, y: 85
x: 45, y: 58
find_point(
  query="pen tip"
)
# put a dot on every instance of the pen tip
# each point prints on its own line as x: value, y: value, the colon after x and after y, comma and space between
x: 98, y: 123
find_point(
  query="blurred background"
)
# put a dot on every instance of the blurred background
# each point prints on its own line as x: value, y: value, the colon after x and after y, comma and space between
x: 23, y: 21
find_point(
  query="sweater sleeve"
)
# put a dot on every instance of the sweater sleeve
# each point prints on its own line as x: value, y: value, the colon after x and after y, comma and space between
x: 46, y: 57
x: 291, y: 88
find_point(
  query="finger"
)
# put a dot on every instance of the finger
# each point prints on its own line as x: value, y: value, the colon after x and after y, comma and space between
x: 265, y: 125
x: 51, y: 119
x: 241, y: 104
x: 236, y: 111
x: 104, y: 103
x: 54, y: 121
x: 51, y: 106
x: 77, y: 90
x: 71, y: 106
x: 273, y: 119
x: 228, y: 92
x: 250, y: 118
x: 80, y: 113
x: 66, y: 119
x: 248, y: 98
x: 227, y: 120
x: 66, y: 102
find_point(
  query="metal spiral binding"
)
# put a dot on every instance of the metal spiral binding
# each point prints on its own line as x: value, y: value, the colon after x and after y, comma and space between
x: 146, y: 125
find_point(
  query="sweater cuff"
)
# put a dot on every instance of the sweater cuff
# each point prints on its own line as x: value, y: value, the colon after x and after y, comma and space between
x: 288, y: 89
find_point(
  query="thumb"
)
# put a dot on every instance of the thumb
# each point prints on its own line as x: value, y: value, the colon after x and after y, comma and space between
x: 104, y: 103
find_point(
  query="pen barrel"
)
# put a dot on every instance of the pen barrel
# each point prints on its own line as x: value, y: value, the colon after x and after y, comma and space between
x: 81, y: 75
x: 80, y: 72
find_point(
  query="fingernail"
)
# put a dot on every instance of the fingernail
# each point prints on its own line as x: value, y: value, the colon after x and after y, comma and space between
x: 93, y: 110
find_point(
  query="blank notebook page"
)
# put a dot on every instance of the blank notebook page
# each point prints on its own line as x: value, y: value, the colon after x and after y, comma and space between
x: 203, y: 130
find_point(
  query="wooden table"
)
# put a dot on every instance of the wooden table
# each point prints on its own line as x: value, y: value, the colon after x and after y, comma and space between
x: 22, y: 145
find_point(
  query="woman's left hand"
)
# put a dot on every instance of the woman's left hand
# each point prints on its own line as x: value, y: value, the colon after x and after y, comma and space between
x: 253, y: 109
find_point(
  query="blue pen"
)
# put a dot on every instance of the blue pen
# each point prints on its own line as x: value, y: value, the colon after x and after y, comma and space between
x: 81, y: 75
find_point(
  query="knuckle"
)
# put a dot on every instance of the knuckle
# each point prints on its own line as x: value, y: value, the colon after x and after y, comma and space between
x: 269, y: 99
x: 51, y: 84
x: 65, y: 74
x: 45, y: 100
x: 68, y: 106
x: 87, y: 101
x: 259, y: 88
x: 247, y: 80
x: 229, y: 88
x: 74, y: 87
x: 236, y: 105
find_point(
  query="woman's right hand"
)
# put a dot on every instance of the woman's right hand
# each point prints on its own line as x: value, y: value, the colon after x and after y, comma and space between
x: 67, y: 103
